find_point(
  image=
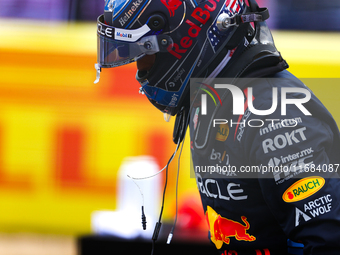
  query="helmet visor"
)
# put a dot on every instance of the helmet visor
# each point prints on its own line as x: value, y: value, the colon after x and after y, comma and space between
x: 116, y: 53
x: 116, y: 47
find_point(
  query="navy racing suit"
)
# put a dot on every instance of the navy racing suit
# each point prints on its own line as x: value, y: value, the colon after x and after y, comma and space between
x: 266, y: 179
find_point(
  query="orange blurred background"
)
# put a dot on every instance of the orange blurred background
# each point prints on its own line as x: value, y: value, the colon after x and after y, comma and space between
x: 63, y: 138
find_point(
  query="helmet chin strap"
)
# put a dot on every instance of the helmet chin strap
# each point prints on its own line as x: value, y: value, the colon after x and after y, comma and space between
x: 219, y: 68
x: 142, y: 75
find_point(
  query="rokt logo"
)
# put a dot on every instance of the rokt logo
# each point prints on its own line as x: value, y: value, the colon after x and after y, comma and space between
x: 303, y: 188
x: 282, y: 140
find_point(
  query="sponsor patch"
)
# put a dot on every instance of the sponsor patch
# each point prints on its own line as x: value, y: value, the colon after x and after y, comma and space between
x: 282, y: 140
x: 313, y: 209
x: 293, y: 164
x: 303, y: 188
x: 222, y: 133
x: 211, y: 188
x: 280, y: 124
x: 130, y: 13
x: 223, y: 229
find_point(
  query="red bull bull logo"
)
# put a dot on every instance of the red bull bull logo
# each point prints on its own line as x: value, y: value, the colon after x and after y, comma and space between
x: 222, y: 229
x: 172, y: 5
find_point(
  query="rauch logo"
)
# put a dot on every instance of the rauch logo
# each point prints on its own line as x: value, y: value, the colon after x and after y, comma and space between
x: 303, y: 188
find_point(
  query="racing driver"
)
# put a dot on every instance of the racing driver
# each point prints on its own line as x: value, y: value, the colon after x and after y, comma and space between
x: 265, y: 150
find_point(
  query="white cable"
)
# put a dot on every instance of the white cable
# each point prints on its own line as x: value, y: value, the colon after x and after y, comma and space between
x: 140, y: 191
x: 153, y: 175
x: 147, y: 177
x: 176, y: 197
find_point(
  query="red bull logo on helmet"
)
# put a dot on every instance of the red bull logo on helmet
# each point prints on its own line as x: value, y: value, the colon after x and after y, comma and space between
x: 200, y: 16
x: 223, y: 229
x: 172, y: 6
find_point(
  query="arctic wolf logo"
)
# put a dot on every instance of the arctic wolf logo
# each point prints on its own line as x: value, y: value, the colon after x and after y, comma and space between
x: 222, y: 229
x: 172, y: 5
